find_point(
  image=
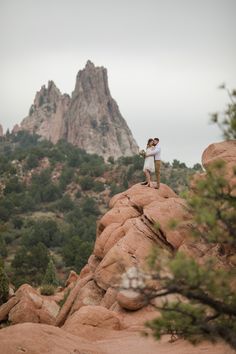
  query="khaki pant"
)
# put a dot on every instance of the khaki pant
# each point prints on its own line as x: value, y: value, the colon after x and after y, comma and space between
x: 158, y: 171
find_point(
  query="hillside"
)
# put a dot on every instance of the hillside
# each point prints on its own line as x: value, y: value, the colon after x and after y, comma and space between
x: 51, y: 198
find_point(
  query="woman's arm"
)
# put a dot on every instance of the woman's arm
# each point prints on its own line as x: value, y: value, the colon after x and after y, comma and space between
x: 154, y: 151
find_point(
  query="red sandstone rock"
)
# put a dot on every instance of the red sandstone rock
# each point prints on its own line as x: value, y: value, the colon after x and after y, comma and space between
x: 109, y: 298
x: 70, y: 300
x: 225, y: 150
x: 163, y: 213
x: 95, y: 316
x: 32, y: 307
x: 130, y: 300
x: 118, y: 215
x: 33, y: 338
x: 90, y: 294
x: 72, y: 278
x: 103, y: 238
x: 6, y: 308
x: 113, y: 265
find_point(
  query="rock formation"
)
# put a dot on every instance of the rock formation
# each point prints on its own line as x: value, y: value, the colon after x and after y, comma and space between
x: 47, y: 113
x: 90, y: 119
x: 125, y: 236
x: 99, y: 318
x: 27, y: 305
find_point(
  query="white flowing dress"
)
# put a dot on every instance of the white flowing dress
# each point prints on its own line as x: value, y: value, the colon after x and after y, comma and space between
x: 149, y: 162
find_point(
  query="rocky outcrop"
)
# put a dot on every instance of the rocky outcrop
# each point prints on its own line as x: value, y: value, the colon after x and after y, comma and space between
x: 28, y: 306
x: 99, y: 316
x: 90, y: 119
x: 47, y: 113
x: 16, y: 129
x: 226, y: 152
x: 33, y: 338
x: 137, y: 221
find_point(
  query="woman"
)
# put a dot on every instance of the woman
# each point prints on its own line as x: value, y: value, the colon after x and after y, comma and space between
x: 149, y: 166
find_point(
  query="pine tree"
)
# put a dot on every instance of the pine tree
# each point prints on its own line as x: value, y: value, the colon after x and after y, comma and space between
x: 4, y: 285
x: 205, y: 305
x: 50, y: 275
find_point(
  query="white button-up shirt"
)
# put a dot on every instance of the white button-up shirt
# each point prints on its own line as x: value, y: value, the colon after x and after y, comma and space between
x: 156, y: 152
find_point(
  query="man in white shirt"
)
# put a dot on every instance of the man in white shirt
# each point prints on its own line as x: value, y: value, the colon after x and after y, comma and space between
x: 156, y: 152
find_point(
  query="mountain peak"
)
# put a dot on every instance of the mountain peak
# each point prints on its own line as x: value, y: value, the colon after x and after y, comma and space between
x: 90, y: 119
x: 89, y: 65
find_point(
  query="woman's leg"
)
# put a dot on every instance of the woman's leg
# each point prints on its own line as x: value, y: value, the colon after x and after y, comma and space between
x: 148, y: 177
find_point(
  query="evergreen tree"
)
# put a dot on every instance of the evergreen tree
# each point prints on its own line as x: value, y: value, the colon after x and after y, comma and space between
x: 205, y: 300
x: 227, y: 119
x: 50, y: 275
x: 205, y: 305
x: 4, y: 285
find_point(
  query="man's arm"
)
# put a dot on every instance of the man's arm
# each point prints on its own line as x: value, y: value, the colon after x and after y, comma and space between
x: 154, y: 151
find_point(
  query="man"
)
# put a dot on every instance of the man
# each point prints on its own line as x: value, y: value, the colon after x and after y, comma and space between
x: 156, y: 152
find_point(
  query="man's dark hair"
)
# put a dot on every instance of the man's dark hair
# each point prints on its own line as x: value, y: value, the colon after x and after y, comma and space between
x: 156, y: 139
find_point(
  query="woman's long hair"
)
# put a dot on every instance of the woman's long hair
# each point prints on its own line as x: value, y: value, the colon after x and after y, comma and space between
x: 149, y: 141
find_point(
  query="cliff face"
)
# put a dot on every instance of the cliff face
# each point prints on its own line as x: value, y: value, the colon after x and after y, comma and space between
x: 46, y: 115
x: 90, y: 119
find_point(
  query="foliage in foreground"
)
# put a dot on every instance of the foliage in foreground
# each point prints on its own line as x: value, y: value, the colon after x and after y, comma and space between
x: 226, y: 120
x: 205, y: 297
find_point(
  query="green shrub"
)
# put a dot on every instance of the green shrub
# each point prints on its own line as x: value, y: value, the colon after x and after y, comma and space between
x: 47, y: 289
x: 86, y: 183
x: 50, y: 275
x: 4, y: 285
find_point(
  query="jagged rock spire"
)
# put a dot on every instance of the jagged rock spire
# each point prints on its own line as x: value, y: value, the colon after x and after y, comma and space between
x: 89, y: 119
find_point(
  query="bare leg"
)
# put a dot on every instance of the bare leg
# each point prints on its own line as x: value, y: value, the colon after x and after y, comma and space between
x: 148, y: 177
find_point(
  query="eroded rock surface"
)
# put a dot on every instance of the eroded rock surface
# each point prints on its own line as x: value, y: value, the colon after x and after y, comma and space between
x: 89, y: 119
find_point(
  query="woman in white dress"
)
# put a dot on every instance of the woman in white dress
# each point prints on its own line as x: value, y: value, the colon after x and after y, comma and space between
x: 149, y: 166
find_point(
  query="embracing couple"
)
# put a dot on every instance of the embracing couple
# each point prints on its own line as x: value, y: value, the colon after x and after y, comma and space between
x: 152, y: 162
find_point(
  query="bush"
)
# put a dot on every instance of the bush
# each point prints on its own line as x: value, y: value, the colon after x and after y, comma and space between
x: 86, y: 183
x: 4, y: 285
x: 65, y: 204
x: 98, y: 186
x: 50, y: 275
x: 47, y: 290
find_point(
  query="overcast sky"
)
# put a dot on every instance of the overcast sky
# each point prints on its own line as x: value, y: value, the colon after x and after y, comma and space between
x: 165, y: 60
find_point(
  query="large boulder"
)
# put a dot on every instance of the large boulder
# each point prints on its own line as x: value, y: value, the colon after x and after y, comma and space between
x: 137, y: 221
x: 131, y: 300
x: 30, y: 306
x: 87, y: 318
x: 90, y: 294
x: 224, y: 151
x: 33, y: 338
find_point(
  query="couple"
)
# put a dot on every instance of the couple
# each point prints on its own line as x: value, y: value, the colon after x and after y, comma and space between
x: 152, y: 162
